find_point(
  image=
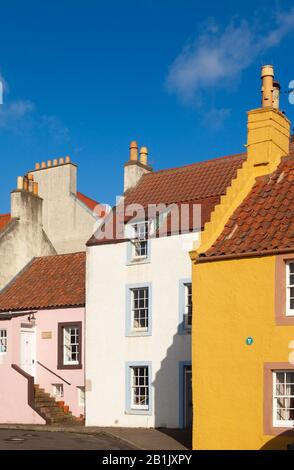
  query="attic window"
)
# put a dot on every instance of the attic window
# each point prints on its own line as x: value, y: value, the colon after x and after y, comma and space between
x: 290, y: 288
x: 3, y: 341
x: 140, y: 231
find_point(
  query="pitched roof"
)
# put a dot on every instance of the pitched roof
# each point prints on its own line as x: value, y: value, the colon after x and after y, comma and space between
x: 265, y: 219
x: 90, y: 203
x: 200, y: 183
x: 4, y: 220
x: 47, y: 282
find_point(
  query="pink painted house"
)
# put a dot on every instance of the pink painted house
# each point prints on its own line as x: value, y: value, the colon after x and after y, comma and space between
x: 42, y: 314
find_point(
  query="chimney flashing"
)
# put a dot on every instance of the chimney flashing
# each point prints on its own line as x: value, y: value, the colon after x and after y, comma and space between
x: 53, y: 166
x: 138, y: 163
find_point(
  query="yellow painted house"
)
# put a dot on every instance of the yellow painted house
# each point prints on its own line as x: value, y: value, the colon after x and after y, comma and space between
x: 243, y: 296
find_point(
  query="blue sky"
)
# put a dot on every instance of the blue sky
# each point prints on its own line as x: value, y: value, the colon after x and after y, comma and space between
x: 83, y: 78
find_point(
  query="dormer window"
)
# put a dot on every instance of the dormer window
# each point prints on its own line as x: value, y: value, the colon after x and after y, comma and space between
x: 140, y: 241
x: 290, y: 288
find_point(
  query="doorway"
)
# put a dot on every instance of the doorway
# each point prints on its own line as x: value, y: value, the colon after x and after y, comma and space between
x: 28, y: 350
x: 188, y: 407
x: 185, y: 402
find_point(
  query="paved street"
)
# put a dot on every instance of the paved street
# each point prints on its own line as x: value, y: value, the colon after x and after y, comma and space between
x: 11, y: 439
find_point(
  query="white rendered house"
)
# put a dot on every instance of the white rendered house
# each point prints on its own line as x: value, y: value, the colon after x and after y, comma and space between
x: 138, y: 300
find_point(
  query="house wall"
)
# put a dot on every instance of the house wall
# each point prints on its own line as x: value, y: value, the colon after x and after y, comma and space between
x: 24, y: 237
x: 234, y: 300
x: 108, y: 349
x: 67, y: 221
x: 14, y: 406
x: 46, y: 353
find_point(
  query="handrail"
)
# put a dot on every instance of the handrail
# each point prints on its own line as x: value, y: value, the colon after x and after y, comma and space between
x: 49, y: 370
x: 31, y: 389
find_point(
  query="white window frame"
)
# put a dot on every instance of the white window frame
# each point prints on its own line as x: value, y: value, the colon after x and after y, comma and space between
x: 77, y: 344
x: 134, y: 386
x: 81, y: 396
x: 138, y: 239
x: 289, y: 311
x: 276, y: 422
x: 3, y: 337
x: 133, y: 308
x: 58, y: 391
x: 188, y: 285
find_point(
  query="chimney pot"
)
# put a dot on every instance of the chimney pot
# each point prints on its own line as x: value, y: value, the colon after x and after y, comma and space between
x: 43, y: 165
x: 67, y: 159
x: 20, y: 182
x: 25, y: 184
x: 133, y: 151
x: 49, y: 163
x: 144, y: 155
x: 35, y: 188
x: 276, y: 94
x: 61, y: 161
x: 37, y: 166
x: 55, y: 162
x: 267, y: 89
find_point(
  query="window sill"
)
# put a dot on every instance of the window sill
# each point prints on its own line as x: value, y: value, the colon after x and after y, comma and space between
x: 136, y: 261
x: 276, y: 431
x: 131, y: 334
x: 138, y: 412
x: 283, y: 319
x: 69, y: 366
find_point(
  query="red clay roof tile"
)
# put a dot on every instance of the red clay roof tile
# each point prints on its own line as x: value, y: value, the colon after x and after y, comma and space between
x: 4, y: 220
x: 269, y: 214
x: 47, y: 282
x: 200, y: 183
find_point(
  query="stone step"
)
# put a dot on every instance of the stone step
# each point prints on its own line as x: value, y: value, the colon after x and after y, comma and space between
x: 54, y: 412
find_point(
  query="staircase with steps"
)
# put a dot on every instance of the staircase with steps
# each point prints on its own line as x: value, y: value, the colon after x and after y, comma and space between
x: 52, y: 411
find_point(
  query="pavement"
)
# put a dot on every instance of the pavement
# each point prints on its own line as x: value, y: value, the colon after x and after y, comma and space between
x: 42, y: 437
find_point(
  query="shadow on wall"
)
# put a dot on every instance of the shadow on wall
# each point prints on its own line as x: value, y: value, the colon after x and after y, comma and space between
x: 171, y: 398
x: 284, y: 441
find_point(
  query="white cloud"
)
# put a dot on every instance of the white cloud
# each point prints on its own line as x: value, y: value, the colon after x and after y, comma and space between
x: 21, y: 117
x: 15, y: 115
x: 218, y: 56
x: 215, y: 118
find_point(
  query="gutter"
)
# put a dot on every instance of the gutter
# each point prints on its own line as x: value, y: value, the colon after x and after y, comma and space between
x: 248, y: 254
x: 10, y: 315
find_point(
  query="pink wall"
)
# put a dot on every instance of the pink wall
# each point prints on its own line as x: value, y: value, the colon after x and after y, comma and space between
x: 14, y: 406
x: 47, y: 320
x: 13, y: 386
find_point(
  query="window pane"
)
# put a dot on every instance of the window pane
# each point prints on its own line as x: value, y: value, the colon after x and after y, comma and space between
x: 140, y: 308
x: 71, y: 345
x: 3, y: 341
x: 140, y: 391
x: 284, y: 396
x: 188, y: 305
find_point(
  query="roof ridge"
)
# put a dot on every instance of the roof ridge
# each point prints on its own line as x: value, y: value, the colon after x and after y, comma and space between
x: 60, y: 255
x: 203, y: 162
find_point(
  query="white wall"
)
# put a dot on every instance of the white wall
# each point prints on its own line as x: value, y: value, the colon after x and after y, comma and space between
x: 24, y: 237
x: 108, y: 349
x: 67, y: 221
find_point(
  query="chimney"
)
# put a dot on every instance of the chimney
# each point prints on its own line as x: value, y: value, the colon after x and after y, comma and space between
x: 268, y: 128
x: 134, y: 168
x: 144, y: 155
x: 276, y: 95
x: 55, y: 178
x: 267, y: 88
x: 26, y: 204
